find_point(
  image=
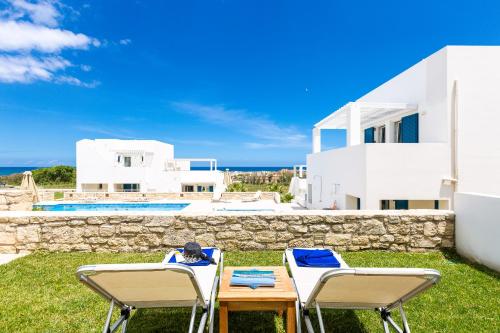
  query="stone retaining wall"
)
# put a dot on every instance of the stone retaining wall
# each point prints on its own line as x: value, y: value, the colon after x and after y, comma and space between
x: 16, y: 200
x: 414, y: 231
x: 134, y: 196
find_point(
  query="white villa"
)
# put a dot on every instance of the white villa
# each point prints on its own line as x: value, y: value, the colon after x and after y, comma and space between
x: 140, y: 166
x: 415, y: 140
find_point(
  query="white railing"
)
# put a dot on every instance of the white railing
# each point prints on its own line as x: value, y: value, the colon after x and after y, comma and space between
x: 184, y: 164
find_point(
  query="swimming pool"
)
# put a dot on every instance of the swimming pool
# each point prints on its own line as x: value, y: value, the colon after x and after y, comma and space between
x: 127, y: 206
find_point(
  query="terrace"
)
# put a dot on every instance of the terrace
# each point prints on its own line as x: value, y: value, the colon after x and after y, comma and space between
x: 40, y: 293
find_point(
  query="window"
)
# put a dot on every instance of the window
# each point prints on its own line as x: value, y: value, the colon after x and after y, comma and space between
x: 188, y: 188
x: 200, y: 188
x: 409, y: 129
x: 119, y: 158
x: 211, y: 188
x: 370, y: 135
x: 127, y: 161
x: 100, y: 186
x: 131, y: 187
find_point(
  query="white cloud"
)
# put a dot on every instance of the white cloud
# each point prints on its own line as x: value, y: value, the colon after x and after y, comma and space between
x: 259, y: 127
x: 125, y: 41
x: 25, y: 69
x: 42, y: 12
x: 22, y: 36
x: 31, y: 43
x: 86, y: 68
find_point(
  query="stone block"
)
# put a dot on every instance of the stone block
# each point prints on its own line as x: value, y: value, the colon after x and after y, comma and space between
x: 387, y: 238
x: 178, y: 238
x: 372, y: 227
x: 360, y: 240
x: 265, y: 236
x: 337, y: 239
x: 205, y: 239
x: 349, y: 227
x: 276, y: 246
x: 106, y: 231
x: 430, y: 229
x: 284, y: 236
x: 278, y: 226
x: 130, y: 229
x: 297, y: 228
x: 319, y: 228
x: 256, y: 225
x: 425, y: 242
x: 28, y: 233
x: 226, y: 235
x: 251, y: 246
x: 301, y: 242
x: 244, y: 235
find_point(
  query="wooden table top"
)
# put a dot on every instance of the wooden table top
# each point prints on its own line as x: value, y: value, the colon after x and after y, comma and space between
x: 283, y: 290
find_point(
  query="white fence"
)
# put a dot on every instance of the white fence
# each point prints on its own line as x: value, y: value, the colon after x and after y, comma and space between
x: 477, y: 228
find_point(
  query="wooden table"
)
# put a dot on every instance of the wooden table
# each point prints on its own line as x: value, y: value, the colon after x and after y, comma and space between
x: 279, y: 298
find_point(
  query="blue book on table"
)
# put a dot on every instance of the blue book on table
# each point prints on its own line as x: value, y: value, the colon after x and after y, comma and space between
x: 253, y: 278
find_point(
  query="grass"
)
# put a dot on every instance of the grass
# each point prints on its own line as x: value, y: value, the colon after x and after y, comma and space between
x: 40, y: 293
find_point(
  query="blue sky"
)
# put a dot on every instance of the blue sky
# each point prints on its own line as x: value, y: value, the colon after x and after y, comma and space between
x: 240, y: 81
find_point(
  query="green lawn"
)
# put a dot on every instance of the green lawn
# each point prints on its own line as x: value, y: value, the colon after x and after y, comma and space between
x: 39, y: 293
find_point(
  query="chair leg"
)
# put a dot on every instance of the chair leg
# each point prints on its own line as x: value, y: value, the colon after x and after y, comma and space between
x: 320, y: 319
x: 203, y: 321
x: 307, y: 320
x: 405, y: 321
x: 297, y: 317
x: 108, y: 318
x: 193, y: 316
x: 385, y: 315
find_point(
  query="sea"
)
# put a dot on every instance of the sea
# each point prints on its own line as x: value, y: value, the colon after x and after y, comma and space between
x: 4, y: 171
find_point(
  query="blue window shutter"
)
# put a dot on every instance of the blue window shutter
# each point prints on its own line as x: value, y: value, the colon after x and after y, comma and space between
x: 401, y: 204
x: 370, y: 135
x: 409, y: 129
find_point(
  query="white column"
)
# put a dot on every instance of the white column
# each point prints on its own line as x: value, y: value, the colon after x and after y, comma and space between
x: 215, y: 165
x: 316, y: 134
x: 353, y: 125
x: 389, y: 131
x: 111, y: 188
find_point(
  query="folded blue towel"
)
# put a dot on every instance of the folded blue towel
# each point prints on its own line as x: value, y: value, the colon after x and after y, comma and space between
x: 209, y: 252
x: 315, y: 258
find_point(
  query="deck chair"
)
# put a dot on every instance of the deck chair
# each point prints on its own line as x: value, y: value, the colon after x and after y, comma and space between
x: 155, y: 285
x: 380, y: 289
x: 256, y: 197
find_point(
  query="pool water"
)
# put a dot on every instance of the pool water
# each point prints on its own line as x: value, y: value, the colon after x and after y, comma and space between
x: 102, y: 207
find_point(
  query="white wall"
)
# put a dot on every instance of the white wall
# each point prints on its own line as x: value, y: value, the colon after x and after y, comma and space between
x: 477, y: 228
x: 477, y: 73
x: 406, y: 171
x: 344, y: 166
x: 374, y: 172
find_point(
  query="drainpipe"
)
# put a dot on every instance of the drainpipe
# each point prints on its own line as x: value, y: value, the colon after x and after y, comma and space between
x: 454, y: 143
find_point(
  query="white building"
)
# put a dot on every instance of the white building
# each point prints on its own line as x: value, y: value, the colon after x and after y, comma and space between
x: 140, y: 166
x: 417, y: 139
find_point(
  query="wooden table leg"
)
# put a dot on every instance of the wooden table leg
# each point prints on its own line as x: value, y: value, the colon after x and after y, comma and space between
x: 290, y: 317
x: 223, y: 317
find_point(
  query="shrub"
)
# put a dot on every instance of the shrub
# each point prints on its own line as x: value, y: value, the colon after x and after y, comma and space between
x: 237, y: 187
x: 55, y: 175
